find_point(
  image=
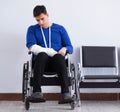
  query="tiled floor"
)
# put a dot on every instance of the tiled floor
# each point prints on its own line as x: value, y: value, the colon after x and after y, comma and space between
x: 53, y: 106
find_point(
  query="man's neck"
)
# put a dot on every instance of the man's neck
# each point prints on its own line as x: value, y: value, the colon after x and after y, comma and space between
x: 48, y: 25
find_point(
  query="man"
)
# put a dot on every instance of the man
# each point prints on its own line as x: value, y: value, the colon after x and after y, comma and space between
x: 50, y: 43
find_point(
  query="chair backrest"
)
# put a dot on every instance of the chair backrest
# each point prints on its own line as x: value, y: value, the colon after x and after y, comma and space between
x: 100, y: 60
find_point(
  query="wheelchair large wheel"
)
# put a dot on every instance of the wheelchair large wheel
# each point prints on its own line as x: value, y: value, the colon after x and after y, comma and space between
x: 72, y: 83
x: 72, y: 104
x: 77, y: 90
x: 25, y: 80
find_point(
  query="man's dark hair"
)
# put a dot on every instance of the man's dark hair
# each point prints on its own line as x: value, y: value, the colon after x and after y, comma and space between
x: 39, y: 9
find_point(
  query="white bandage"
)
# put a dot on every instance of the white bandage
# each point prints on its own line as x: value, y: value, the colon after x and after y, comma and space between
x: 51, y: 52
x: 37, y: 49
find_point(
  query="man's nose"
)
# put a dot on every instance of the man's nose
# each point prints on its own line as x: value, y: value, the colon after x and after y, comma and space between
x: 41, y: 22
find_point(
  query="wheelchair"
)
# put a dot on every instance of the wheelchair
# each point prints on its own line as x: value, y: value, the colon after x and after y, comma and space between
x: 52, y: 80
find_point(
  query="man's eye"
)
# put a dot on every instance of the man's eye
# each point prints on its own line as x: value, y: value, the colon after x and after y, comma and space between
x: 38, y: 20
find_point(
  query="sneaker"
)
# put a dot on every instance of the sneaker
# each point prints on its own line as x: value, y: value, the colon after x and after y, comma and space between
x: 66, y: 98
x: 37, y: 95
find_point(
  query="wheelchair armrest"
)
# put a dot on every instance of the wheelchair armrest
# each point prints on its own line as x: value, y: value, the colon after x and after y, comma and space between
x: 67, y: 56
x: 79, y: 66
x: 30, y: 52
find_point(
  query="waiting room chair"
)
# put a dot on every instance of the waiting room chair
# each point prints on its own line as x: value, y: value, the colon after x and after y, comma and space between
x: 98, y: 67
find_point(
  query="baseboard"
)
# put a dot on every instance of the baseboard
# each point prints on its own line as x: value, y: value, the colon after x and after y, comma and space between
x: 100, y: 96
x: 56, y: 96
x: 11, y: 96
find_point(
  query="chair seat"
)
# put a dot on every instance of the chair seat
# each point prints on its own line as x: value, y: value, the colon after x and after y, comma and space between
x: 101, y: 77
x: 99, y: 84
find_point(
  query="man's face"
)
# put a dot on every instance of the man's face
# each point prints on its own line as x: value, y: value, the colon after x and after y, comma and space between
x: 42, y: 20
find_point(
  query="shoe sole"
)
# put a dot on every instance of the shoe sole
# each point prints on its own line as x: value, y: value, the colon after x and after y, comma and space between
x: 65, y: 101
x: 36, y: 100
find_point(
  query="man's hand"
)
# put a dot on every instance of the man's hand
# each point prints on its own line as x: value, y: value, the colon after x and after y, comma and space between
x: 62, y: 51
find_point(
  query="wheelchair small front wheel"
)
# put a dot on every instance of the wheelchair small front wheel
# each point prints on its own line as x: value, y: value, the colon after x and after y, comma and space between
x: 72, y: 104
x: 27, y: 104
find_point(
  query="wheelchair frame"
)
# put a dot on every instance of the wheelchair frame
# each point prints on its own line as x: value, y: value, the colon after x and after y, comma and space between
x: 27, y: 86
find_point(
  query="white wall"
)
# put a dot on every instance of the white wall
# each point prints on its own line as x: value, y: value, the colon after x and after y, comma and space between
x: 88, y: 22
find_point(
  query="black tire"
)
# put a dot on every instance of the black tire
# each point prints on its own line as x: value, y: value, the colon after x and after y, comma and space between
x: 72, y: 67
x: 25, y: 80
x: 72, y: 105
x: 27, y: 104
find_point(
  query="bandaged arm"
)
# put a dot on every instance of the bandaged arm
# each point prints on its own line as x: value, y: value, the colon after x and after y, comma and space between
x: 37, y: 49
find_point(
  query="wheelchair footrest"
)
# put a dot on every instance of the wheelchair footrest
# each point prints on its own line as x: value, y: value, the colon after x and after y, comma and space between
x: 36, y: 100
x: 65, y: 101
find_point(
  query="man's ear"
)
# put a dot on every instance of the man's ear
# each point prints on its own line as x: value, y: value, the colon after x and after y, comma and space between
x: 47, y: 14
